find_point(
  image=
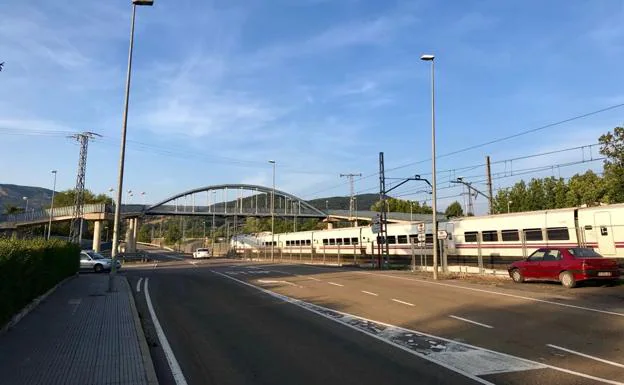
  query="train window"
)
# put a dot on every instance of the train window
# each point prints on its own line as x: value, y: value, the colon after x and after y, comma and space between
x: 470, y: 236
x: 298, y: 242
x: 332, y: 241
x: 510, y: 235
x: 325, y: 241
x: 346, y: 241
x: 413, y: 238
x: 308, y: 242
x: 354, y: 241
x: 558, y: 234
x: 603, y: 230
x: 429, y: 239
x: 489, y: 236
x: 339, y: 241
x: 402, y: 239
x: 287, y: 243
x: 588, y: 227
x: 533, y: 234
x: 391, y: 239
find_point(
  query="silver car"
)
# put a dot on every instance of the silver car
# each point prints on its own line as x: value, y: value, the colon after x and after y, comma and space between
x: 92, y: 261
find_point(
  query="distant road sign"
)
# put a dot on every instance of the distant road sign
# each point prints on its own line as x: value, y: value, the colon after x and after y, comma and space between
x: 376, y: 228
x: 421, y: 228
x: 422, y: 237
x: 442, y: 234
x: 421, y: 244
x: 376, y: 219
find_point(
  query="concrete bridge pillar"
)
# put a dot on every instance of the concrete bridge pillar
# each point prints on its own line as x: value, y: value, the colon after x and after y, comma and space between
x: 97, y: 233
x: 130, y: 243
x: 135, y: 236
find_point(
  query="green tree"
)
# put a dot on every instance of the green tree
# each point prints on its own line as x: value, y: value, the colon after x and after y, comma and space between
x: 10, y: 209
x: 67, y: 198
x: 612, y: 147
x: 454, y: 210
x: 145, y: 233
x: 585, y: 189
x: 173, y: 234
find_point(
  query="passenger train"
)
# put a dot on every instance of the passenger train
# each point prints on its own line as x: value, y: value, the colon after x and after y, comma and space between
x: 499, y: 238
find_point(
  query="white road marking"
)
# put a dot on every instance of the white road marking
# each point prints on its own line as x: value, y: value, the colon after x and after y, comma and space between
x: 335, y: 284
x: 586, y: 356
x: 274, y: 281
x: 176, y: 372
x: 499, y: 293
x: 314, y: 279
x: 403, y: 302
x: 472, y: 322
x: 369, y: 293
x: 470, y: 365
x: 138, y: 285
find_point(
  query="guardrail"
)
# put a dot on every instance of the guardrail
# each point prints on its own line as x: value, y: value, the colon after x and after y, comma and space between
x: 66, y: 211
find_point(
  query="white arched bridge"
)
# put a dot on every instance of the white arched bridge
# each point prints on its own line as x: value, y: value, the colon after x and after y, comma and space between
x: 224, y: 200
x: 234, y: 200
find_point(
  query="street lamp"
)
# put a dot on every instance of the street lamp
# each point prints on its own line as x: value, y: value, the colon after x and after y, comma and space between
x: 122, y: 151
x: 273, y: 214
x: 52, y: 204
x: 434, y: 202
x: 26, y: 200
x: 508, y: 205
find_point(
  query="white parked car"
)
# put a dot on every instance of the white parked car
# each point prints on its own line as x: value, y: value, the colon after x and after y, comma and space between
x: 201, y: 253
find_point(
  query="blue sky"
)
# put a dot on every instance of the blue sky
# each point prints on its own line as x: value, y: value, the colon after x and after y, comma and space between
x: 220, y: 87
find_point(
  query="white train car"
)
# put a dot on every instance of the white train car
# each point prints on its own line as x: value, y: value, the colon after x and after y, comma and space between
x: 501, y: 238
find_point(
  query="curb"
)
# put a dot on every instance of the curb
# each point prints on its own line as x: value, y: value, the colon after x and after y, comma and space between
x: 145, y: 353
x: 32, y: 306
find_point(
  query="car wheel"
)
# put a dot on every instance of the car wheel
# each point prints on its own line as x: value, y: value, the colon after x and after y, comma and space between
x: 517, y: 276
x: 567, y: 279
x: 98, y: 268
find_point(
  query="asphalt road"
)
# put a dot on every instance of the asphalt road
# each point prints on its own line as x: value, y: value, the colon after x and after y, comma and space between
x: 224, y: 330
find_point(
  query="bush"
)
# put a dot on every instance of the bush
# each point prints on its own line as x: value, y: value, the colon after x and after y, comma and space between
x: 28, y: 268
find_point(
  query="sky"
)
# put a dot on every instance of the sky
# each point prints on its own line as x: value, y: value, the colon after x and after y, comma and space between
x: 320, y: 86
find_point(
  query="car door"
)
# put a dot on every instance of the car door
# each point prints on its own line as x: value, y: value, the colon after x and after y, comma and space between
x: 531, y: 266
x: 85, y: 261
x: 550, y: 264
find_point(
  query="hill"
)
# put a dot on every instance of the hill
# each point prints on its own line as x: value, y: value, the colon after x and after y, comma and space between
x: 364, y: 202
x: 12, y: 195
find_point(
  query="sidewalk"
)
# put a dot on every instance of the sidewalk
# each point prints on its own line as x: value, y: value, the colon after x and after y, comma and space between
x: 79, y: 335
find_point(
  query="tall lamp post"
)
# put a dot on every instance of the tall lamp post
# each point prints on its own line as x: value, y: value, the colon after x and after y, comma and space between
x: 434, y: 202
x: 52, y: 204
x: 122, y: 151
x: 26, y: 200
x: 273, y: 214
x: 508, y: 206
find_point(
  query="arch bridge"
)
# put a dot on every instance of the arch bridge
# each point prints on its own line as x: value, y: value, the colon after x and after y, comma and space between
x: 228, y: 200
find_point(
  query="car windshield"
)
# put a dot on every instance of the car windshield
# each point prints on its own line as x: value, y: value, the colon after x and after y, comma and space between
x: 580, y: 252
x: 95, y: 255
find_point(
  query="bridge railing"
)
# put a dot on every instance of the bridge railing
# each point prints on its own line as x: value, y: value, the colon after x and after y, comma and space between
x: 56, y: 212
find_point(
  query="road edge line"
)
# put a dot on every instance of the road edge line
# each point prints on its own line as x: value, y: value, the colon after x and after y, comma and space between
x: 296, y: 303
x: 176, y: 371
x: 586, y: 355
x: 152, y: 379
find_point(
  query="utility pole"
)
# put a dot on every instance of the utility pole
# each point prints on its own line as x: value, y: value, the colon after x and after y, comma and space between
x: 384, y: 216
x: 351, y: 192
x: 489, y: 185
x: 75, y: 228
x: 472, y: 192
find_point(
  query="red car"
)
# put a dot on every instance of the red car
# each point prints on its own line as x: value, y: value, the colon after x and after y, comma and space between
x: 567, y: 265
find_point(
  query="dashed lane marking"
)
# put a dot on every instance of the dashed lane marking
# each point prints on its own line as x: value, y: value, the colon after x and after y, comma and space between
x: 138, y: 285
x: 472, y: 322
x: 403, y: 302
x: 369, y: 293
x: 335, y: 284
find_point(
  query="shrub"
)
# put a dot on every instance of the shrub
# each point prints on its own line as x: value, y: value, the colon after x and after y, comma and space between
x: 28, y: 268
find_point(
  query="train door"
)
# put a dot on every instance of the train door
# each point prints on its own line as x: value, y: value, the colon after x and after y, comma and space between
x: 604, y: 233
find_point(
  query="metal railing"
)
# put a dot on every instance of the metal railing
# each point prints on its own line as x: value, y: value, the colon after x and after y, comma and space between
x: 57, y: 212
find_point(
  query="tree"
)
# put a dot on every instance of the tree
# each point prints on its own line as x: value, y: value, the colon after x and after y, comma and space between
x: 68, y: 197
x: 10, y: 209
x: 585, y: 189
x: 145, y: 233
x: 454, y: 210
x: 173, y: 234
x: 612, y: 147
x: 403, y: 206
